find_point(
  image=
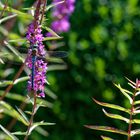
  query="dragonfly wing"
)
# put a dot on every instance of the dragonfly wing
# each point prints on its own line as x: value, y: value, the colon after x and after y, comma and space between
x: 58, y: 54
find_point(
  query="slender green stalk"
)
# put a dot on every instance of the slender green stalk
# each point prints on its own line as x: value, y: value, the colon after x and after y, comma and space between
x: 131, y: 116
x: 32, y: 116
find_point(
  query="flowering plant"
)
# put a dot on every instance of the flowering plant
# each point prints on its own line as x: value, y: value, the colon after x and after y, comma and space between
x: 132, y: 112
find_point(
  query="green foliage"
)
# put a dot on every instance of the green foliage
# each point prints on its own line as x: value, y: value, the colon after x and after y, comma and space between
x: 132, y: 112
x: 103, y: 32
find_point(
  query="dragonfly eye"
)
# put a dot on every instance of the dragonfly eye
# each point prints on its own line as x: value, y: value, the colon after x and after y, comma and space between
x: 35, y: 46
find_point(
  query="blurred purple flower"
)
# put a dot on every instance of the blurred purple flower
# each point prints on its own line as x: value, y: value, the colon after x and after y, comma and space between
x: 61, y: 14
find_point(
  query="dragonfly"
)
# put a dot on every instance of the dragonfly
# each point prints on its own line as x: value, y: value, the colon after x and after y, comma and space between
x: 58, y: 54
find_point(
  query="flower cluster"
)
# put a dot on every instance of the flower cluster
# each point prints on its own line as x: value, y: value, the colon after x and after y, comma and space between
x: 61, y: 14
x: 38, y: 80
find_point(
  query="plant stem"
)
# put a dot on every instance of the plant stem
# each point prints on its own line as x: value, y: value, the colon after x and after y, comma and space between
x: 131, y: 117
x: 32, y: 116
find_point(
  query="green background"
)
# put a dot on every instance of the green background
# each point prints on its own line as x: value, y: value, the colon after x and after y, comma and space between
x: 103, y: 46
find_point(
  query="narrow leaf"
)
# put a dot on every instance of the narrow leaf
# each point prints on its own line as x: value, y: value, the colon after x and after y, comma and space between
x: 5, y: 83
x: 19, y: 13
x: 115, y: 116
x: 19, y: 133
x: 135, y: 132
x: 106, y: 128
x: 112, y: 106
x: 14, y: 51
x: 7, y: 18
x: 106, y: 138
x: 23, y: 114
x: 8, y: 133
x: 9, y: 110
x: 57, y: 67
x: 124, y: 93
x: 137, y: 102
x: 52, y: 32
x: 53, y: 5
x: 50, y: 93
x: 136, y: 121
x: 24, y: 99
x: 51, y: 38
x: 39, y: 124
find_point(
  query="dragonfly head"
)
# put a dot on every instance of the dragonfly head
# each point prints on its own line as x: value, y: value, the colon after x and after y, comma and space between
x: 34, y: 49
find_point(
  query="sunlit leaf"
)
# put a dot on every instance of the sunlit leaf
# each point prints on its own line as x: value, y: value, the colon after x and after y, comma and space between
x: 5, y: 83
x: 50, y: 93
x: 53, y: 5
x: 7, y: 18
x: 23, y: 114
x: 9, y: 110
x: 135, y: 132
x: 106, y: 128
x: 19, y: 13
x: 23, y: 40
x: 136, y: 111
x: 39, y: 124
x: 8, y: 133
x: 24, y: 99
x: 19, y: 133
x: 136, y: 121
x: 19, y: 56
x: 133, y: 83
x: 51, y: 38
x: 123, y: 91
x: 57, y: 67
x: 137, y: 93
x: 116, y: 116
x: 8, y: 82
x: 52, y: 32
x: 41, y: 131
x: 112, y: 106
x: 137, y: 102
x: 106, y: 138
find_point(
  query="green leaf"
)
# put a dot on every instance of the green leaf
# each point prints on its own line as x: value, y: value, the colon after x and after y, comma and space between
x: 19, y: 13
x: 14, y: 51
x: 135, y: 132
x: 106, y: 128
x: 26, y: 100
x: 112, y: 106
x: 123, y: 91
x: 53, y: 5
x: 8, y: 133
x: 106, y: 138
x: 23, y: 114
x: 7, y: 18
x: 131, y: 82
x: 9, y: 110
x: 41, y: 131
x: 1, y: 61
x: 50, y: 93
x: 22, y: 79
x: 19, y: 133
x: 136, y: 111
x: 51, y: 38
x: 57, y: 67
x: 21, y: 40
x: 137, y: 121
x: 52, y: 32
x: 137, y: 102
x: 39, y: 124
x: 115, y: 116
x: 6, y: 83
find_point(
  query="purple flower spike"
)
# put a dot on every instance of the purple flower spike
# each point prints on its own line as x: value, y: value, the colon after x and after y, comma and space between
x: 37, y: 84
